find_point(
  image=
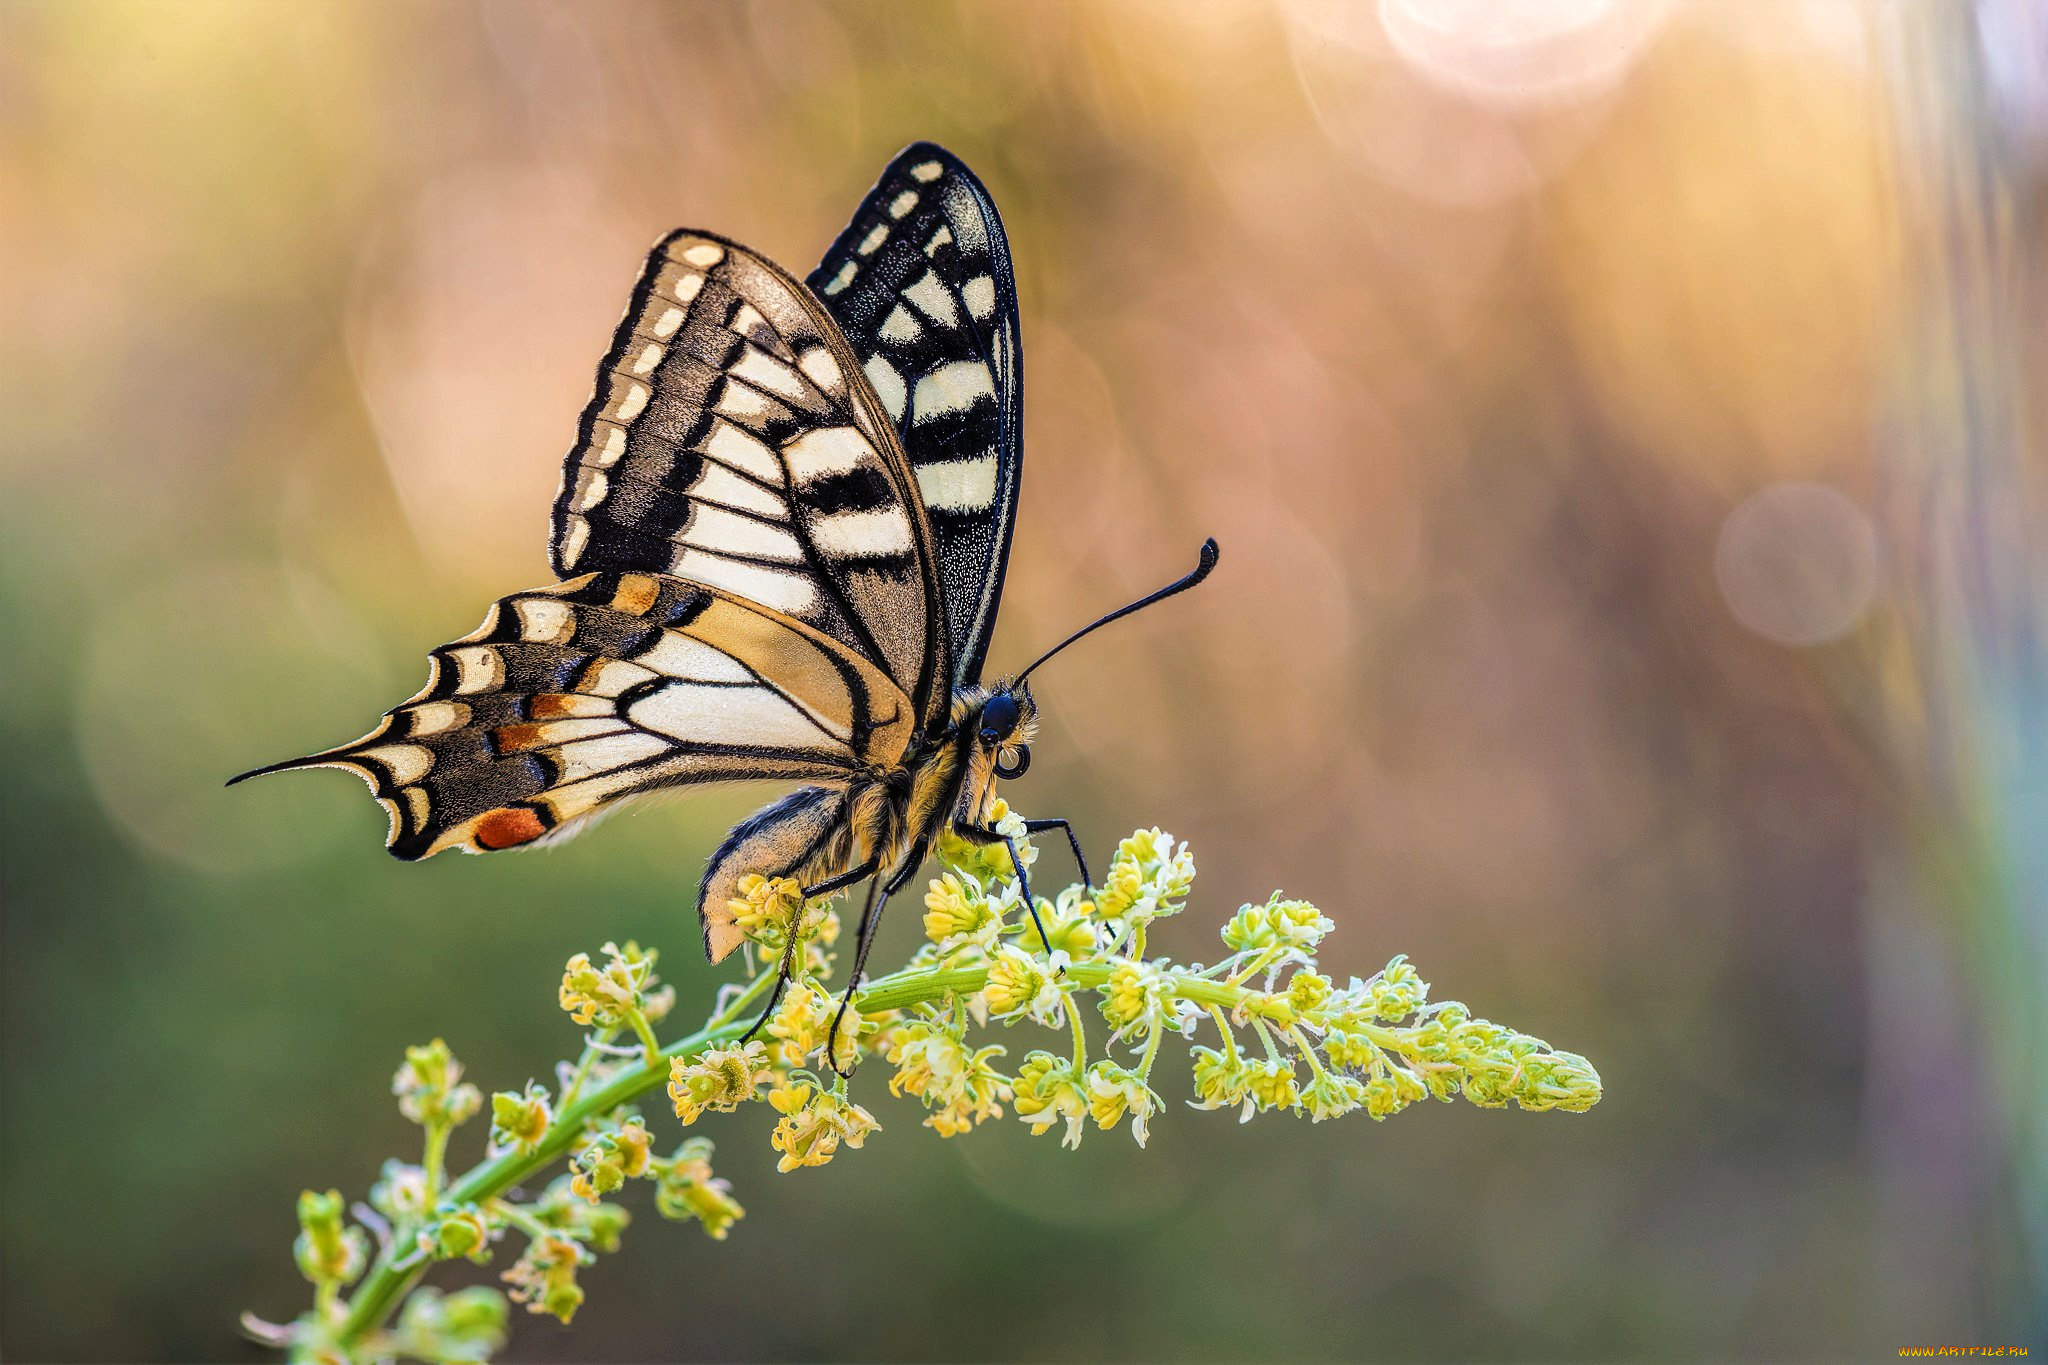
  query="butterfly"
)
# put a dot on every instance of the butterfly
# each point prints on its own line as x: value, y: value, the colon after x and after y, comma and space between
x: 781, y: 538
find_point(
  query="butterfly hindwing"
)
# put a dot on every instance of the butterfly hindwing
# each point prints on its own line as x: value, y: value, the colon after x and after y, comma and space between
x: 805, y: 830
x: 733, y: 441
x: 920, y: 281
x: 570, y: 698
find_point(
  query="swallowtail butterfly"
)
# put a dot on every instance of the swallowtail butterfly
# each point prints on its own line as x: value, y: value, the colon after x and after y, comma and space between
x: 781, y: 538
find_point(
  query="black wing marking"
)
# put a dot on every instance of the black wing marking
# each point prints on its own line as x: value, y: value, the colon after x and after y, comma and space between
x: 921, y: 283
x: 733, y: 441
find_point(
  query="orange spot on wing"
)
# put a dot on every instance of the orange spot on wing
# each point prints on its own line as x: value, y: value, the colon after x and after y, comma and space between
x: 550, y: 706
x: 637, y: 592
x: 508, y: 828
x: 512, y: 739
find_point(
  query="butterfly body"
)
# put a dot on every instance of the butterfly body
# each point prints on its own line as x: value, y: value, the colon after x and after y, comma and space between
x: 880, y: 823
x: 781, y: 538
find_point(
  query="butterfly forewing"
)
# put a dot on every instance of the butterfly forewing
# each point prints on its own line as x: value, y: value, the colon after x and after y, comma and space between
x: 920, y: 281
x: 733, y: 441
x: 570, y: 698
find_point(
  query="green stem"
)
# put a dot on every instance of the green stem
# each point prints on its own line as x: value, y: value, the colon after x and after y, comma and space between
x: 583, y: 1065
x: 1080, y: 1034
x: 644, y: 1031
x: 1223, y: 1027
x: 393, y: 1275
x: 1151, y: 1051
x: 431, y: 1158
x: 1259, y: 1027
x: 534, y: 1229
x: 1301, y: 1045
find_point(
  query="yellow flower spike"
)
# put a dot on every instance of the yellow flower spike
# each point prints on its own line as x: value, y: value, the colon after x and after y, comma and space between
x: 1387, y: 1049
x: 719, y: 1080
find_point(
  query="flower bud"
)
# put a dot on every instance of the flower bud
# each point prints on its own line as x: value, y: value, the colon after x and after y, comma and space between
x: 520, y: 1120
x: 328, y: 1251
x: 1114, y: 1091
x: 428, y: 1088
x: 607, y: 997
x: 1220, y: 1079
x: 1270, y: 1084
x: 460, y: 1232
x: 957, y: 912
x: 1047, y: 1090
x: 1331, y: 1094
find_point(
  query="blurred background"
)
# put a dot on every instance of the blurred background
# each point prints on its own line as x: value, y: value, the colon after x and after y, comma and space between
x: 1624, y: 422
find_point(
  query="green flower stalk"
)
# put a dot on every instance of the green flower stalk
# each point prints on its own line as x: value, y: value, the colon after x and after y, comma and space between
x: 1286, y: 1038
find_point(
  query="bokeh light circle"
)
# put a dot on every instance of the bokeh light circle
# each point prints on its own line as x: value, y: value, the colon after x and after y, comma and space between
x: 1520, y: 55
x: 1797, y: 563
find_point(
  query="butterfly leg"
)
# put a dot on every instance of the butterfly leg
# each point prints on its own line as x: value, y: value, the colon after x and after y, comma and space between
x: 974, y: 834
x: 864, y: 937
x: 786, y: 968
x: 1073, y: 842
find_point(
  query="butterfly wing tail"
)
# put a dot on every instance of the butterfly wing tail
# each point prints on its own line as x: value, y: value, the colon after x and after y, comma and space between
x: 506, y: 746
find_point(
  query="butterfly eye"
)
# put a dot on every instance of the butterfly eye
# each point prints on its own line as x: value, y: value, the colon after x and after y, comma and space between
x: 998, y: 718
x: 1018, y: 767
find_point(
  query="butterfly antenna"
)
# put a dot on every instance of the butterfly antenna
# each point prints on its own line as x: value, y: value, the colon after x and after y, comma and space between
x: 1201, y: 572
